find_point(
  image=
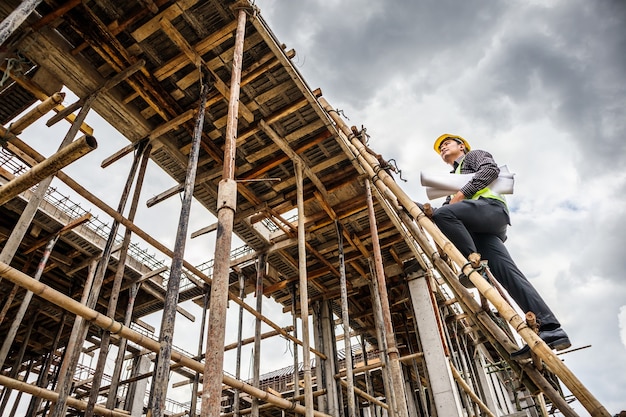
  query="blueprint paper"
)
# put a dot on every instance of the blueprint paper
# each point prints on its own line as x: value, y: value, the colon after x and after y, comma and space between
x: 441, y: 185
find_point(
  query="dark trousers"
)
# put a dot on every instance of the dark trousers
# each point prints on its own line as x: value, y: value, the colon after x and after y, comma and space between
x: 480, y: 226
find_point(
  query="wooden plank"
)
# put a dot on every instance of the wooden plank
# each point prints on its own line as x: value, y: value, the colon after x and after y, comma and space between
x: 153, y: 24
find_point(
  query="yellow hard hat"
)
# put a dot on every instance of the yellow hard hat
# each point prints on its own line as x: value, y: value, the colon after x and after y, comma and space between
x: 445, y: 136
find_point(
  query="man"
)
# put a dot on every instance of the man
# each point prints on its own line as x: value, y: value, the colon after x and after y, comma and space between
x: 475, y: 219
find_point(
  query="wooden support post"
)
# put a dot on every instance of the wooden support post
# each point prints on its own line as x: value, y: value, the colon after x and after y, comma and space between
x: 258, y: 292
x: 392, y: 350
x: 17, y: 320
x: 304, y: 294
x: 121, y: 348
x: 242, y: 295
x: 227, y: 205
x: 345, y: 321
x: 142, y: 154
x: 160, y: 380
x: 294, y: 317
x: 44, y: 372
x: 50, y: 166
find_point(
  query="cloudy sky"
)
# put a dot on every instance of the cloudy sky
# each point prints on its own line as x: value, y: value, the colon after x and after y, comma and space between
x: 539, y: 84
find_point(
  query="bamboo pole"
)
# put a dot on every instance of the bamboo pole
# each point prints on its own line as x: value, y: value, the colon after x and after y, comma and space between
x: 50, y: 166
x: 16, y: 18
x: 227, y: 204
x: 53, y: 396
x: 80, y: 309
x: 551, y: 360
x: 304, y: 293
x: 345, y: 320
x: 28, y: 214
x: 36, y: 113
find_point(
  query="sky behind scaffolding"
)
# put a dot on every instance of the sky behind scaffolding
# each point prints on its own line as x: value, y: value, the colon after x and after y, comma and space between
x: 539, y: 84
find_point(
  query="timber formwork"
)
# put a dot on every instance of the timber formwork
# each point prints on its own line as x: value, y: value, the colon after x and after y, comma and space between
x: 204, y: 90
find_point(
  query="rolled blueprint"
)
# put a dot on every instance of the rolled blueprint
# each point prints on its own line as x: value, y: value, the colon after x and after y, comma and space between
x: 441, y: 185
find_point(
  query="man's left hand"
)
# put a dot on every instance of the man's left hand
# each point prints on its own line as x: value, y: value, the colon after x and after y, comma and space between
x: 459, y: 196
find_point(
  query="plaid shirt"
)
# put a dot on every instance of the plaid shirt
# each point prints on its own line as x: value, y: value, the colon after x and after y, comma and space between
x: 483, y: 165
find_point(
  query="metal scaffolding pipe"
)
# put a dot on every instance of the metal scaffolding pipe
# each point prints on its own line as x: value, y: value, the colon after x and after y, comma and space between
x: 50, y: 166
x: 16, y: 18
x: 304, y: 293
x: 226, y: 206
x: 80, y: 309
x: 392, y: 349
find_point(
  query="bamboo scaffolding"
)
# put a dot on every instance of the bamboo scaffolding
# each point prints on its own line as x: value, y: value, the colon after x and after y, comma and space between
x: 50, y: 166
x: 53, y: 396
x: 551, y: 360
x: 29, y: 152
x: 36, y: 113
x: 80, y: 309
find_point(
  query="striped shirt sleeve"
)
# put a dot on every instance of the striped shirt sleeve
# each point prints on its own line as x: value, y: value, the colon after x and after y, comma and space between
x: 482, y: 164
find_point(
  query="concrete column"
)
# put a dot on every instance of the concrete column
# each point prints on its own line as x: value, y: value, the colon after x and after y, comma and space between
x: 137, y: 390
x: 442, y: 384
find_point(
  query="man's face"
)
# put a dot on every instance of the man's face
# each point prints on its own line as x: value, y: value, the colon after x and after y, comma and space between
x: 450, y: 150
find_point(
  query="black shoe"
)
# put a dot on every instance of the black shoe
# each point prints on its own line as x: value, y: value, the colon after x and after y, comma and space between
x: 467, y: 283
x: 555, y: 339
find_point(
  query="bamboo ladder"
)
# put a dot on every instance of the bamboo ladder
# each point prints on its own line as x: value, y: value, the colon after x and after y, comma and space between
x: 395, y: 197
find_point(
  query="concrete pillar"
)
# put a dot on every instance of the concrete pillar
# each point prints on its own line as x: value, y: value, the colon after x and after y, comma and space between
x: 137, y: 390
x: 442, y: 385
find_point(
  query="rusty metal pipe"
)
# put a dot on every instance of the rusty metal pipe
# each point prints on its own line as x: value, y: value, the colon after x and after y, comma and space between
x: 50, y: 166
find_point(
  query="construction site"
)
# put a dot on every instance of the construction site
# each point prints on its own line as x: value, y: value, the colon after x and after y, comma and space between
x: 203, y: 91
